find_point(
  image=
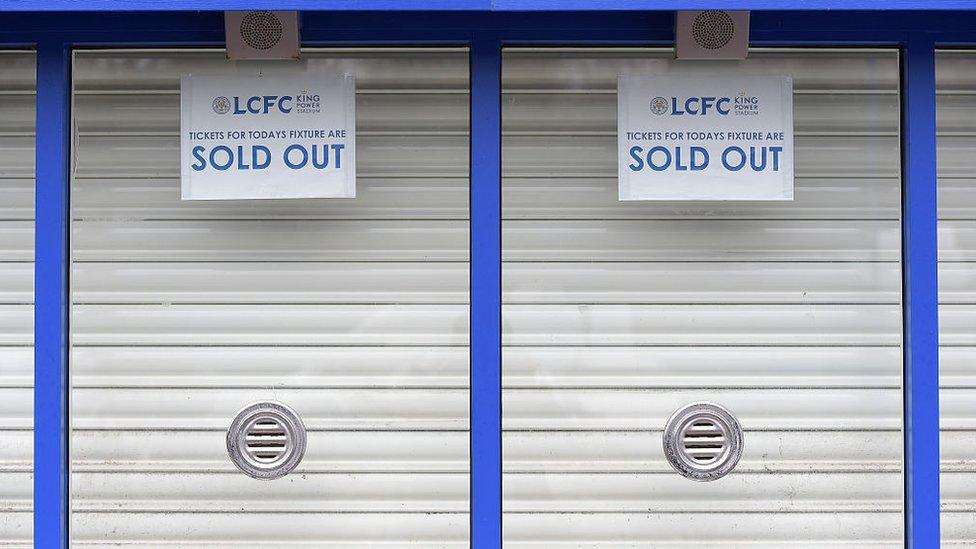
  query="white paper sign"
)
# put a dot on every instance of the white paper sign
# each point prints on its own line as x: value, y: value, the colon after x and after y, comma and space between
x: 705, y: 137
x: 281, y: 136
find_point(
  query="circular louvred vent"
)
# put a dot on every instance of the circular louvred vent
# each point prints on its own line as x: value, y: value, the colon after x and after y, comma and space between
x: 266, y: 440
x: 261, y: 29
x: 703, y: 441
x: 713, y: 29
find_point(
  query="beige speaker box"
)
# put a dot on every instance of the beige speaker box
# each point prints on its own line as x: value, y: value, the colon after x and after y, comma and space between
x: 711, y: 34
x: 262, y: 34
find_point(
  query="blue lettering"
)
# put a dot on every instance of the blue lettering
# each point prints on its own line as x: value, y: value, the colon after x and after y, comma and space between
x: 199, y: 158
x: 776, y: 151
x: 667, y: 158
x: 337, y: 150
x: 259, y: 104
x: 638, y: 163
x: 281, y: 104
x: 699, y: 159
x: 263, y: 163
x: 213, y: 157
x: 287, y: 157
x: 675, y: 111
x: 701, y: 105
x: 723, y: 101
x: 706, y: 102
x: 725, y: 158
x: 757, y: 166
x: 315, y: 154
x: 677, y: 161
x: 240, y: 159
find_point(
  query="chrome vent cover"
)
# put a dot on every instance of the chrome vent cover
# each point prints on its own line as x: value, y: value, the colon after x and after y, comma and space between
x: 703, y: 441
x: 266, y: 440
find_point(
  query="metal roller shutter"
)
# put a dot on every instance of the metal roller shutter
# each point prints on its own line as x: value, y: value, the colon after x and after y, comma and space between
x: 956, y: 112
x: 16, y: 296
x: 354, y: 312
x: 617, y: 313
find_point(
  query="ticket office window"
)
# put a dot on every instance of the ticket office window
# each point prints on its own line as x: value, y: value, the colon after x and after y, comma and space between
x: 353, y: 312
x: 615, y: 314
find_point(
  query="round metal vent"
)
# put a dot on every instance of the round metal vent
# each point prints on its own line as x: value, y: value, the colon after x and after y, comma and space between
x: 703, y: 441
x: 713, y: 29
x: 266, y: 440
x: 261, y: 29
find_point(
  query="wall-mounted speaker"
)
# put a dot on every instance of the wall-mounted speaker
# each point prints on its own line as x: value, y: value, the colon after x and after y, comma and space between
x: 262, y: 34
x: 711, y: 34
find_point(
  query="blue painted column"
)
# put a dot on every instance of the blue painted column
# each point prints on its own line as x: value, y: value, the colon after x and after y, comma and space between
x: 486, y: 293
x: 51, y: 296
x: 921, y: 294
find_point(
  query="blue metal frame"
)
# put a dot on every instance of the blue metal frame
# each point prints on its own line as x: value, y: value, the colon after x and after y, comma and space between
x: 482, y: 5
x: 51, y: 301
x: 921, y: 292
x: 486, y: 292
x: 916, y: 33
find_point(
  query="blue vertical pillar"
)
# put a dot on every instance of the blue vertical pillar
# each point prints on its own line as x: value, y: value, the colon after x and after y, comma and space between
x: 51, y: 296
x: 486, y: 406
x: 921, y: 294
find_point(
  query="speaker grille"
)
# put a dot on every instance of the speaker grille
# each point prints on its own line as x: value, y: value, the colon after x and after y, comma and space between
x: 713, y: 29
x: 261, y: 29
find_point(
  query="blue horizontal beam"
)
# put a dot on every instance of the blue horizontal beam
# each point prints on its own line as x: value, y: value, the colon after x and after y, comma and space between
x: 758, y: 5
x: 221, y: 5
x: 480, y: 5
x: 620, y: 28
x: 202, y: 28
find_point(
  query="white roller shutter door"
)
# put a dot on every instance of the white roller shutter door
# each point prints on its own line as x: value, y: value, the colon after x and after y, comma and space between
x: 956, y: 100
x: 618, y: 313
x: 16, y: 296
x: 354, y: 312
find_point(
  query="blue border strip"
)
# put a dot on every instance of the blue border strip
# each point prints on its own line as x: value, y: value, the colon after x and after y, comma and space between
x: 51, y: 296
x: 921, y: 293
x: 484, y: 5
x: 486, y: 292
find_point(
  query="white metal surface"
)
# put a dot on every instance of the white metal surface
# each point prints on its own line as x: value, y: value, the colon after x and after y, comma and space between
x: 353, y: 312
x: 956, y: 115
x: 617, y: 314
x: 16, y: 296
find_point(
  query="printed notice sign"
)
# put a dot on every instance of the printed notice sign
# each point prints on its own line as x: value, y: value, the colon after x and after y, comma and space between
x: 705, y: 137
x: 282, y: 136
